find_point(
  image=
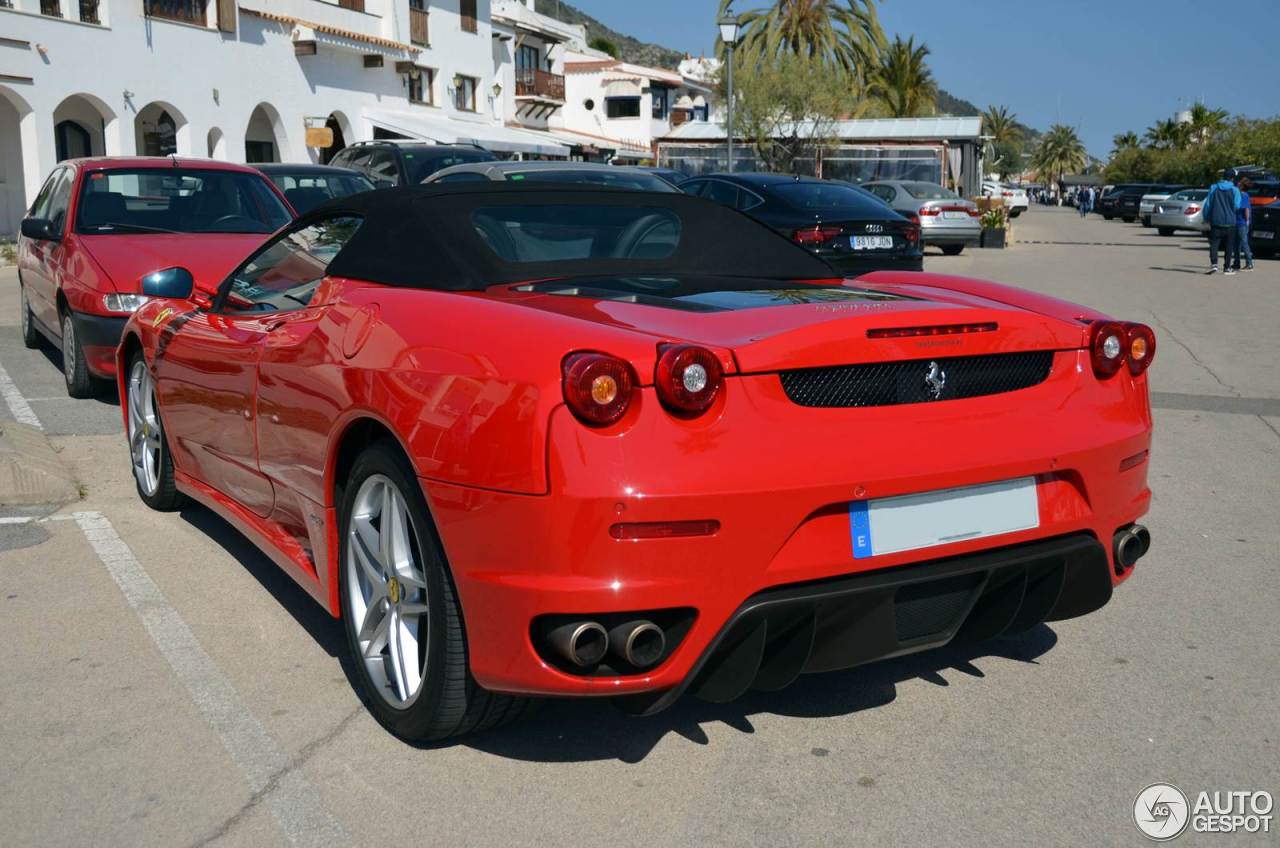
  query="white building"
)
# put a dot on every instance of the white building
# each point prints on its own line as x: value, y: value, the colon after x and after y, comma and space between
x: 239, y: 80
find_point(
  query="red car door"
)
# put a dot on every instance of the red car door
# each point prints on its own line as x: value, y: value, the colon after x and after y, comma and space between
x: 41, y: 261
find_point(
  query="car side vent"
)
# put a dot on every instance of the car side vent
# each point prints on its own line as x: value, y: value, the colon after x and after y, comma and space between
x: 916, y: 380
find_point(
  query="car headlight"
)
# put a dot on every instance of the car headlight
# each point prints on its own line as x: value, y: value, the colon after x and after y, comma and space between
x: 124, y: 302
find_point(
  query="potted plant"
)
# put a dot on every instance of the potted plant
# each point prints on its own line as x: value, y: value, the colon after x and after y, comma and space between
x: 993, y: 227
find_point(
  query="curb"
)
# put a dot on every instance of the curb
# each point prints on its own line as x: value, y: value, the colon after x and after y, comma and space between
x: 31, y: 472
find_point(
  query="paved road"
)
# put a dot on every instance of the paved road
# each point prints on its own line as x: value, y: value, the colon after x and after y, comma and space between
x: 162, y: 684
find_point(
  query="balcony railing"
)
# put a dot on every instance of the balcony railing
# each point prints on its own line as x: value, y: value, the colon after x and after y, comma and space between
x: 535, y: 83
x: 186, y: 11
x: 419, y: 33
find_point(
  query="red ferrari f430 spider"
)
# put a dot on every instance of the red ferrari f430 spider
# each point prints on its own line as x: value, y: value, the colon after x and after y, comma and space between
x: 574, y: 442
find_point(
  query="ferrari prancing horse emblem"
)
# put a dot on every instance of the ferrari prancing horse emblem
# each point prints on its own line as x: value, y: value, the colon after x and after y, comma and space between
x: 935, y: 380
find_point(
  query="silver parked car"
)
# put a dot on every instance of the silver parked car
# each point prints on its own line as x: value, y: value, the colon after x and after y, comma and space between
x: 1182, y: 210
x: 946, y: 219
x: 1147, y: 203
x: 590, y: 173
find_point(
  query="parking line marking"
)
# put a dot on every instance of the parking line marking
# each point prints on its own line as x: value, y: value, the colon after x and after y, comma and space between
x: 14, y: 519
x: 16, y: 402
x: 294, y: 803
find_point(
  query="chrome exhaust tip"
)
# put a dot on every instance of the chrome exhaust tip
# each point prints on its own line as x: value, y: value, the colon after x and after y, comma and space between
x: 582, y: 643
x: 1129, y: 545
x: 640, y: 643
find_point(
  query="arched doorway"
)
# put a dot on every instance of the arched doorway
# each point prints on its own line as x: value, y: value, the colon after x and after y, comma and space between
x: 159, y: 129
x: 217, y: 144
x: 264, y: 137
x: 17, y: 123
x: 341, y: 128
x: 83, y: 125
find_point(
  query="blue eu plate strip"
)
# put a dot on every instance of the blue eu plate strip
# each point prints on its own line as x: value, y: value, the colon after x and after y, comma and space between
x: 860, y: 529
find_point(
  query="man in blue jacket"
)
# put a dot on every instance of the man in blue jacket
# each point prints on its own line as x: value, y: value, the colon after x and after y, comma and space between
x: 1220, y: 206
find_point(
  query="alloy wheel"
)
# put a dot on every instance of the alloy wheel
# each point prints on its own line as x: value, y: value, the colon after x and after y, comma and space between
x: 387, y: 588
x: 68, y: 349
x: 25, y: 312
x: 144, y: 428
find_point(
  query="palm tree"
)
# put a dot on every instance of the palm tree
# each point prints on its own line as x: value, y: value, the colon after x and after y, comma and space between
x: 1123, y: 141
x: 1205, y: 122
x: 1060, y: 151
x: 1000, y: 126
x: 903, y: 82
x: 840, y: 34
x: 1167, y: 135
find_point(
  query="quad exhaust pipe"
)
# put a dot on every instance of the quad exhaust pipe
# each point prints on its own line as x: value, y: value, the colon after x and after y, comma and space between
x: 1129, y: 545
x: 639, y: 643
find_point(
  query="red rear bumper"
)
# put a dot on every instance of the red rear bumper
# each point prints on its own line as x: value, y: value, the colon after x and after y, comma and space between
x: 778, y: 478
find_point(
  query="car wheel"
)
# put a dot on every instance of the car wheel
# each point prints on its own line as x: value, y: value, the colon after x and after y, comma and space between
x: 1146, y: 221
x: 75, y: 370
x: 1108, y: 217
x: 148, y: 445
x: 1165, y: 231
x: 1013, y: 213
x: 952, y: 249
x: 30, y: 335
x: 404, y: 627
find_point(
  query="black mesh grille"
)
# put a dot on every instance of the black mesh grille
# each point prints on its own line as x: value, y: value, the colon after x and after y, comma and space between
x: 916, y: 380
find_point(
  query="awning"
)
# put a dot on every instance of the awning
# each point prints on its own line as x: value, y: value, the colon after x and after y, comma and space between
x: 444, y: 130
x: 622, y: 88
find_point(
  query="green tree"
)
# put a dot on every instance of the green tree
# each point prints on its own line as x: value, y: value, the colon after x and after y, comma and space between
x: 1123, y: 141
x: 1000, y: 126
x: 1167, y: 135
x: 838, y: 34
x: 1205, y: 123
x: 788, y: 109
x: 1007, y: 160
x: 1060, y: 151
x: 903, y: 84
x: 604, y: 45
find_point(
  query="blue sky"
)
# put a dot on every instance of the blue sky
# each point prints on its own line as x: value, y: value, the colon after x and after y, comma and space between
x: 1102, y: 66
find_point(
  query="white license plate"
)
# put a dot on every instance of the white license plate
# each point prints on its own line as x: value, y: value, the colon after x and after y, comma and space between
x: 872, y: 242
x: 1262, y: 234
x: 955, y: 215
x: 909, y: 522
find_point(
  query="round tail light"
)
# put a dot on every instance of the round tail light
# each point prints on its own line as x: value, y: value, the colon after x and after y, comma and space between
x: 1108, y: 344
x: 1140, y: 348
x: 688, y: 379
x: 597, y: 387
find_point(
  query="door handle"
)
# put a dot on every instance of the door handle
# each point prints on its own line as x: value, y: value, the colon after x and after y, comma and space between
x: 273, y: 325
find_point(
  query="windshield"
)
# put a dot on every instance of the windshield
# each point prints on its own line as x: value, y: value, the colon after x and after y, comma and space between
x: 618, y: 179
x: 827, y: 198
x: 178, y: 200
x: 556, y: 233
x: 424, y: 161
x: 929, y: 191
x: 1192, y: 194
x: 306, y: 191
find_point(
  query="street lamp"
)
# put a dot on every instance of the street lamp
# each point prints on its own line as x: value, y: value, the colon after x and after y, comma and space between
x: 729, y: 35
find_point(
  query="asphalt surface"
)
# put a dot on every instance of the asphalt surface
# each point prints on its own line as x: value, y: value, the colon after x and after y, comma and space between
x: 163, y: 684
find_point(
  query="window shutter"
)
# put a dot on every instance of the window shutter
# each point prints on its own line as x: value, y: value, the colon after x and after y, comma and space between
x: 227, y: 15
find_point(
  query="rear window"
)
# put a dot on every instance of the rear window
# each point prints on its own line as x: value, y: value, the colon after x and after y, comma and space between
x: 565, y: 232
x: 619, y: 179
x: 826, y: 197
x: 178, y: 200
x: 1191, y: 194
x: 929, y: 191
x: 422, y: 162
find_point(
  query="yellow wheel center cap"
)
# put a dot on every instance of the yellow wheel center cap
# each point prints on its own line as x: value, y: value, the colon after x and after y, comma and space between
x: 393, y: 590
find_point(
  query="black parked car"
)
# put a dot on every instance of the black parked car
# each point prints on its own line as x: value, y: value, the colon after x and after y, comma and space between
x: 853, y: 232
x: 389, y: 163
x: 1264, y: 231
x: 307, y: 186
x: 1122, y: 201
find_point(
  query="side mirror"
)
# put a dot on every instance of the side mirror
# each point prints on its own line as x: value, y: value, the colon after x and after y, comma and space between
x: 39, y: 228
x: 176, y: 283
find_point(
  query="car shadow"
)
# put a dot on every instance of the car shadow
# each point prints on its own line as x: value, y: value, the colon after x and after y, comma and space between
x: 107, y: 393
x: 583, y: 730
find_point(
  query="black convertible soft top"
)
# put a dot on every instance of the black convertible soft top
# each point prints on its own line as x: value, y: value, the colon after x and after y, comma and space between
x: 425, y: 236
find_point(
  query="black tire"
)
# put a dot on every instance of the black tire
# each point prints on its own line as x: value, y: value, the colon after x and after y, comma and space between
x: 1107, y: 217
x: 1128, y: 220
x: 80, y: 383
x: 449, y: 703
x: 27, y: 321
x: 1146, y: 220
x: 166, y: 497
x: 952, y: 249
x: 1013, y: 213
x: 1165, y: 231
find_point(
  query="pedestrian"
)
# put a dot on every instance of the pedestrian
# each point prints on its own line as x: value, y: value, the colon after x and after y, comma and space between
x: 1220, y: 206
x: 1243, y: 213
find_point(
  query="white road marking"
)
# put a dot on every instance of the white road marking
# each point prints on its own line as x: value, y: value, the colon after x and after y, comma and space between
x: 15, y: 519
x: 294, y: 803
x: 16, y: 402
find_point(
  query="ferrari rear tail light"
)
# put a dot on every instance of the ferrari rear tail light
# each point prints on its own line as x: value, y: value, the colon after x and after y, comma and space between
x: 688, y: 379
x: 931, y: 330
x: 1140, y: 347
x: 1107, y: 344
x: 815, y: 236
x: 597, y: 387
